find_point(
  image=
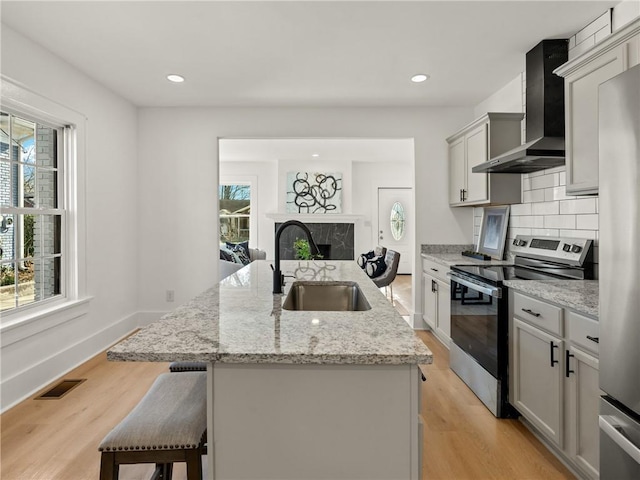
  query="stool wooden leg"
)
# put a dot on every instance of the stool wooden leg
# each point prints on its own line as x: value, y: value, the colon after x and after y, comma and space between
x: 163, y: 471
x: 194, y: 464
x: 108, y: 466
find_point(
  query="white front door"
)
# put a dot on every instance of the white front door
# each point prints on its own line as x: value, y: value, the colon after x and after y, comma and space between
x: 395, y: 223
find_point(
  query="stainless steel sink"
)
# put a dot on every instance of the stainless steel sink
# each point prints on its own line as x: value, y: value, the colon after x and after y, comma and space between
x: 325, y: 296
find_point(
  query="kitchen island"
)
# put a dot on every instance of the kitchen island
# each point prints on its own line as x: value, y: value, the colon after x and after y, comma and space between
x: 298, y: 394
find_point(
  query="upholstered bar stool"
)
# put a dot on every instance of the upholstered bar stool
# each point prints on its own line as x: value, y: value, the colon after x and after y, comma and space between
x: 168, y: 425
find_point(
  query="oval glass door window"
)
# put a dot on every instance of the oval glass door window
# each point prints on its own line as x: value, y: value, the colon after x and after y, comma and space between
x: 397, y: 221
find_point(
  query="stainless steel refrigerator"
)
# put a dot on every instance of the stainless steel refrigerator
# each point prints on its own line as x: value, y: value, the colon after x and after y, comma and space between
x: 619, y: 266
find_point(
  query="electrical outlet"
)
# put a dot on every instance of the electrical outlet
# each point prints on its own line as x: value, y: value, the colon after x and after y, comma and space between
x: 170, y: 295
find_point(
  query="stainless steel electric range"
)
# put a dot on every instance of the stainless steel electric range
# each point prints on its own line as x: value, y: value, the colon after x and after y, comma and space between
x: 479, y: 350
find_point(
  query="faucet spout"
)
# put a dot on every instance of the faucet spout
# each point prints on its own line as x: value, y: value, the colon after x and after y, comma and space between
x: 278, y: 278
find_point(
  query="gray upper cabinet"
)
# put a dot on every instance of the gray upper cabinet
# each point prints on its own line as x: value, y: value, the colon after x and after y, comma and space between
x: 481, y: 140
x: 582, y: 77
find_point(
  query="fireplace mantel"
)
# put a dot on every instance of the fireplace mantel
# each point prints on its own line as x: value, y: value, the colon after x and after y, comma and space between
x: 316, y: 217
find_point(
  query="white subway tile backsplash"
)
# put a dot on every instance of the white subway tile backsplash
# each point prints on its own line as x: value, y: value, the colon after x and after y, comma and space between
x: 560, y: 221
x: 528, y: 221
x: 578, y: 205
x: 559, y: 169
x: 545, y: 181
x: 556, y: 193
x: 520, y: 209
x: 592, y: 234
x: 533, y: 196
x: 539, y: 173
x: 580, y: 48
x: 587, y: 222
x: 526, y: 184
x: 602, y: 33
x: 545, y: 208
x: 563, y: 178
x: 545, y: 232
x: 518, y: 231
x: 572, y: 42
x: 603, y: 21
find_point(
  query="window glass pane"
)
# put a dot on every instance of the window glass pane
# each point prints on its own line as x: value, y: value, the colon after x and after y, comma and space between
x: 47, y: 233
x: 46, y: 183
x: 5, y: 184
x: 27, y: 282
x: 31, y: 243
x: 4, y: 135
x: 23, y: 133
x: 7, y: 227
x: 50, y: 277
x: 235, y: 213
x: 7, y: 287
x: 397, y: 221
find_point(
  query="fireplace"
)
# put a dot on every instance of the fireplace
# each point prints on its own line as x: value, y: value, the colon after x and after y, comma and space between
x: 334, y: 240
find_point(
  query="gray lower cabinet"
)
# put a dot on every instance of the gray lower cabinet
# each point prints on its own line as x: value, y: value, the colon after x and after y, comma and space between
x: 554, y: 378
x: 436, y: 301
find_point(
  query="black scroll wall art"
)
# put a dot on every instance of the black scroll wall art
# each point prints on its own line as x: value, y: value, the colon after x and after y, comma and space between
x: 314, y: 192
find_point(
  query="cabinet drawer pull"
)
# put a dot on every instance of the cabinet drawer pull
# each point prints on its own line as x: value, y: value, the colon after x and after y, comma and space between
x: 593, y: 339
x: 551, y: 355
x: 530, y: 312
x: 567, y: 367
x: 435, y: 269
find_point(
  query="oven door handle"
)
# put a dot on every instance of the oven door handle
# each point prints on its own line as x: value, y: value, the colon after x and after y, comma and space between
x: 486, y: 289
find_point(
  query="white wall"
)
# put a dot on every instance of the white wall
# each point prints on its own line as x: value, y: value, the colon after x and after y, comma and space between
x: 360, y: 191
x: 368, y: 176
x: 111, y: 222
x: 180, y: 185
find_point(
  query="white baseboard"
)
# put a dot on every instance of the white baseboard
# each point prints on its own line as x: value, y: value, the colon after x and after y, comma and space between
x: 29, y: 381
x: 418, y: 322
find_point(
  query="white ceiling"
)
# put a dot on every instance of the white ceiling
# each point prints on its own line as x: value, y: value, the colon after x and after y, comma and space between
x: 298, y: 53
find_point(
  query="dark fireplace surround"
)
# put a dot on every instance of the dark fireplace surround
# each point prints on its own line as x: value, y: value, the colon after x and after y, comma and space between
x: 335, y: 240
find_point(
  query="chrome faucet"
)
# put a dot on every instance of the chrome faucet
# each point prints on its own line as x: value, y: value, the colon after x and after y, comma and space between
x: 278, y: 278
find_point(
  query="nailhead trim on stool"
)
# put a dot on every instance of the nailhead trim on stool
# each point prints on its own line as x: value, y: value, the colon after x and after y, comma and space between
x: 168, y: 425
x: 188, y: 367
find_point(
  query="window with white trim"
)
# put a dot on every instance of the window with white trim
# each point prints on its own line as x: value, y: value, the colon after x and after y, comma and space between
x: 32, y: 154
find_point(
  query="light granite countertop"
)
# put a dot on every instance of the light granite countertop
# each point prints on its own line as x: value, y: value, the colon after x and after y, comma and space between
x: 450, y: 259
x: 580, y: 295
x: 239, y: 320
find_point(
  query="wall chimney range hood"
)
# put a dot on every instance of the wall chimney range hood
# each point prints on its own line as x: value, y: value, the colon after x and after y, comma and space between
x: 544, y: 147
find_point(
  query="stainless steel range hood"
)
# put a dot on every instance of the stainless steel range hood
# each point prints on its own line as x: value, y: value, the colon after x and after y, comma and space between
x: 545, y: 115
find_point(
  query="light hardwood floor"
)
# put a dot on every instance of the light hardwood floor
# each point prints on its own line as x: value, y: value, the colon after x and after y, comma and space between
x: 58, y: 439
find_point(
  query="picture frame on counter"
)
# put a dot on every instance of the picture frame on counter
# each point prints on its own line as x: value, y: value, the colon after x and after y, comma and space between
x: 493, y: 231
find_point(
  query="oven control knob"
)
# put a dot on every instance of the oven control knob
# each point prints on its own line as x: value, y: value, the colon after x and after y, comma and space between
x: 516, y: 242
x: 576, y: 248
x: 566, y: 247
x: 519, y: 243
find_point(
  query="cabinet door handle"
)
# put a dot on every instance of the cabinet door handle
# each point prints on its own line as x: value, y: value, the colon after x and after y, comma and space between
x: 551, y: 355
x: 530, y: 312
x: 434, y: 286
x: 593, y: 339
x: 460, y: 196
x: 464, y: 195
x: 567, y: 367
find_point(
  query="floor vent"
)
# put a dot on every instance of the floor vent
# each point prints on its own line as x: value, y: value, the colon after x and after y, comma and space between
x: 60, y: 390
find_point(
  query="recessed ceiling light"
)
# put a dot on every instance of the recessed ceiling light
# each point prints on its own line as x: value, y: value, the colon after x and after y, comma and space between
x: 420, y: 77
x: 175, y: 78
x: 315, y: 154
